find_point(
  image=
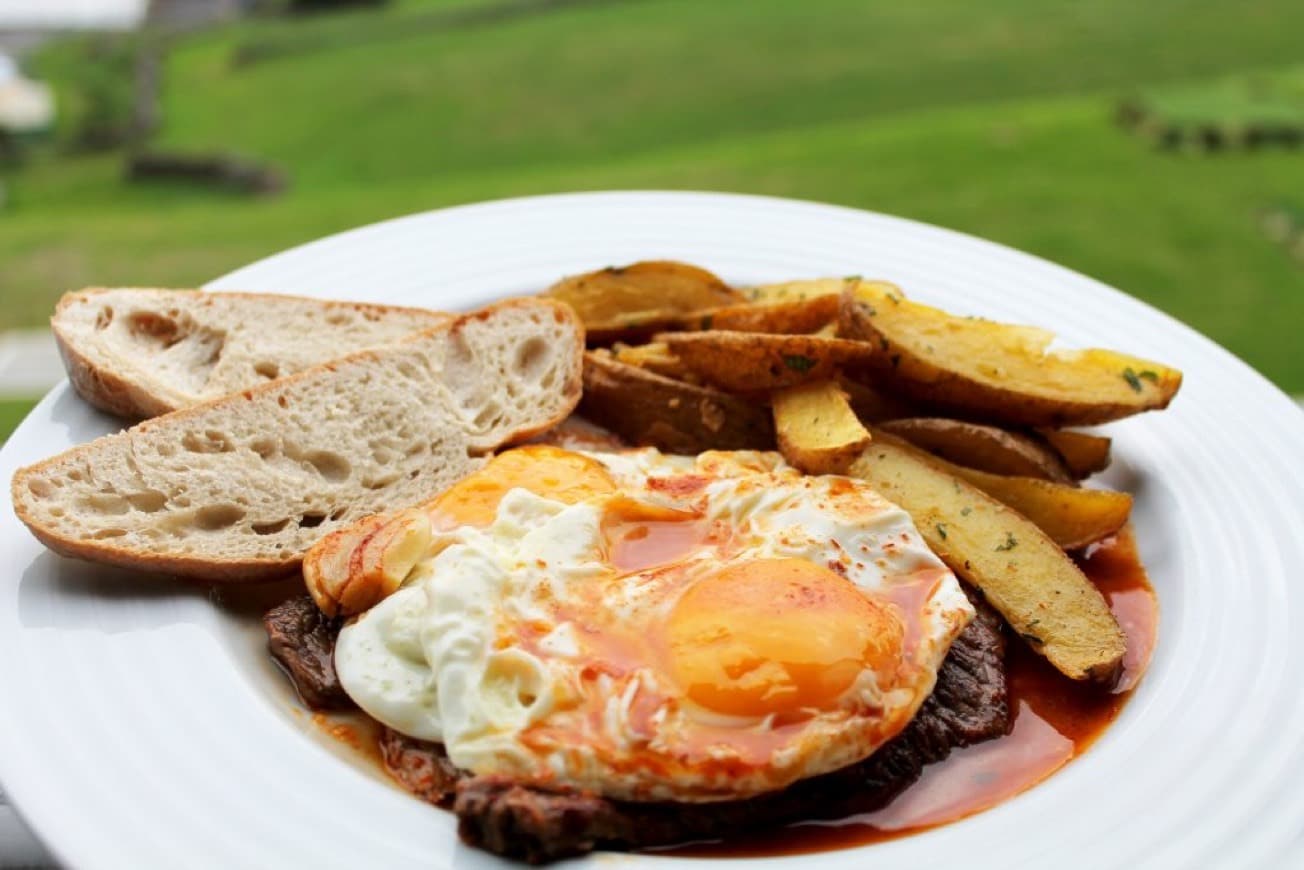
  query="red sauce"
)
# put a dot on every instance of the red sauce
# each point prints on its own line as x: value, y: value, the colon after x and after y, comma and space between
x: 639, y: 545
x: 1055, y: 720
x: 353, y: 730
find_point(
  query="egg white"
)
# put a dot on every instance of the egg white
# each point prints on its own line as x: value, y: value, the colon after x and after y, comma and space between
x: 427, y: 661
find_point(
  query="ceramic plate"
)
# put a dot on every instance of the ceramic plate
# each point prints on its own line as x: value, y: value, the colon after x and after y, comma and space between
x: 142, y: 725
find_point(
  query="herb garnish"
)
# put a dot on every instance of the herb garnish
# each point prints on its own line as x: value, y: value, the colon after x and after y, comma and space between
x: 941, y: 530
x: 798, y: 362
x: 965, y: 511
x: 1132, y: 380
x: 1010, y: 543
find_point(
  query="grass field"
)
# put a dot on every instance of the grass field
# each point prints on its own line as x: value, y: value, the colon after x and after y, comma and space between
x: 990, y: 118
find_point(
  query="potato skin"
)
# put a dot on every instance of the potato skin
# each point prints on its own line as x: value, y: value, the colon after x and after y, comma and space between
x: 748, y: 362
x: 792, y: 317
x: 625, y: 303
x: 649, y: 409
x: 986, y: 448
x: 1039, y: 590
x: 953, y: 368
x: 1083, y: 453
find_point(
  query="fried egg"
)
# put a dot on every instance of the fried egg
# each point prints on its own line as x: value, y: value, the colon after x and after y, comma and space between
x: 655, y: 627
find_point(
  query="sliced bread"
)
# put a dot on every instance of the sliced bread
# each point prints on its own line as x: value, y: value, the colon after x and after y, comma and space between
x: 239, y: 488
x: 139, y: 353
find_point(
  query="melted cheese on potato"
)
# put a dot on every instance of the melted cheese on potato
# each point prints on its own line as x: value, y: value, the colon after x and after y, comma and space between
x: 657, y: 628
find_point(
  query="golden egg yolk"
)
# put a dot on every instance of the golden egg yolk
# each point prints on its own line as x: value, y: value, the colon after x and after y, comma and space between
x: 550, y: 472
x: 776, y: 636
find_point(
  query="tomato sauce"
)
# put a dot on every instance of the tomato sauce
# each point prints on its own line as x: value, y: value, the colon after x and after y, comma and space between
x: 1055, y: 720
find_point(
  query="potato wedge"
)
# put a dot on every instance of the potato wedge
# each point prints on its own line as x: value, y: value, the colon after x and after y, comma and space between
x: 650, y: 409
x: 795, y: 316
x: 996, y: 371
x: 638, y: 299
x: 1084, y: 454
x: 874, y: 406
x: 1039, y: 590
x: 654, y: 356
x: 816, y: 428
x: 755, y: 362
x: 1073, y: 517
x: 986, y: 448
x: 794, y: 291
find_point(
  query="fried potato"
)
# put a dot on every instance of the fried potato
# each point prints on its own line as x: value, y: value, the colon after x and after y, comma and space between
x: 354, y: 568
x: 986, y: 448
x: 795, y: 316
x: 650, y: 409
x: 874, y: 406
x: 654, y: 356
x: 755, y: 362
x: 1084, y: 454
x: 1073, y: 517
x: 996, y: 371
x: 796, y: 291
x: 816, y: 428
x: 1039, y: 590
x: 641, y: 298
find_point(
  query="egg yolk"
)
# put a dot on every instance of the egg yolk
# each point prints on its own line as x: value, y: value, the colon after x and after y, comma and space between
x: 546, y: 471
x: 777, y: 636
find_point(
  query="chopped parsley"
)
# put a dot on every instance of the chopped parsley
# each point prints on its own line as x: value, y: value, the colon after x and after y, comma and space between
x: 853, y: 278
x: 1010, y: 543
x: 1147, y: 374
x: 798, y: 362
x: 941, y: 530
x: 965, y: 511
x: 1132, y: 380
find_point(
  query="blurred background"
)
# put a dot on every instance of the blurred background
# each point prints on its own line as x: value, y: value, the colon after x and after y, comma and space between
x: 1157, y: 146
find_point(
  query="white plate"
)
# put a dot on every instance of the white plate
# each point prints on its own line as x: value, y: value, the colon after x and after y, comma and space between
x: 140, y: 728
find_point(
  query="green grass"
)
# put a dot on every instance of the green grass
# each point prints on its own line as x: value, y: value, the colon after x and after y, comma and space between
x: 12, y: 412
x: 990, y: 118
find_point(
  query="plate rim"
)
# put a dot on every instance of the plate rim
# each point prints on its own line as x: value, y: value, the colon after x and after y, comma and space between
x: 44, y: 825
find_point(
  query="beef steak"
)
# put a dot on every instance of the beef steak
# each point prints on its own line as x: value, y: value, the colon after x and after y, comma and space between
x: 969, y: 704
x: 302, y: 639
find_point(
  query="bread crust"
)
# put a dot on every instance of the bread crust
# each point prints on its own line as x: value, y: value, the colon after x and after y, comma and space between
x: 243, y: 570
x: 123, y: 397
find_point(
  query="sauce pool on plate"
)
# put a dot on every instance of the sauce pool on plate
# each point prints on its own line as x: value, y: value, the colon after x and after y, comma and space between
x: 1055, y: 720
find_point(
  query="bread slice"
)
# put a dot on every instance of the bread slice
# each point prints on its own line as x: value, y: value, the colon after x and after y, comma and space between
x: 139, y: 353
x: 238, y: 488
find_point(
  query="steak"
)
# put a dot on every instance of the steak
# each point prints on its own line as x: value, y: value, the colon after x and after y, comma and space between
x: 420, y: 767
x: 302, y: 640
x: 969, y: 705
